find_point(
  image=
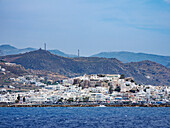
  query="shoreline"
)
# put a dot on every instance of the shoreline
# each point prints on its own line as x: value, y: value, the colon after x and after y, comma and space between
x: 77, y: 105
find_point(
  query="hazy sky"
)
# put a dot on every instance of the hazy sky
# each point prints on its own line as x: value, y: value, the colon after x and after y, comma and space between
x: 89, y: 25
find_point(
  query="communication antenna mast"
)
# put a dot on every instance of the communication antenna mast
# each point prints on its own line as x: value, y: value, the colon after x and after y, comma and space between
x: 78, y: 53
x: 45, y: 46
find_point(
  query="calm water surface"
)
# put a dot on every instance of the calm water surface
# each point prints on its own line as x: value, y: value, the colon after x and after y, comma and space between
x: 86, y: 117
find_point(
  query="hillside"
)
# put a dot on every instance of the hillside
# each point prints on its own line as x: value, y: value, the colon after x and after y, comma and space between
x: 15, y: 70
x: 146, y: 72
x: 125, y: 57
x: 134, y: 57
x: 11, y: 71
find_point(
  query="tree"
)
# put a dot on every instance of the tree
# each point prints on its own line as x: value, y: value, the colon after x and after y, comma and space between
x: 117, y: 89
x: 32, y: 83
x: 77, y: 98
x: 132, y: 81
x: 60, y: 100
x: 16, y: 101
x: 122, y: 76
x: 70, y: 100
x: 24, y: 99
x: 18, y: 98
x: 27, y: 78
x: 85, y: 99
x: 133, y: 91
x: 49, y: 83
x: 110, y: 89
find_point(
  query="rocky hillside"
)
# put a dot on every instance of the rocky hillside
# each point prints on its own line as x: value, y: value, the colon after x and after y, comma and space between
x: 146, y: 72
x: 16, y: 70
x: 11, y: 71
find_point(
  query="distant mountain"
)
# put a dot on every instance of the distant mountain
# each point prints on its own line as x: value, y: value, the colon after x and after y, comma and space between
x: 134, y: 57
x: 1, y: 53
x: 10, y: 50
x: 26, y: 50
x: 59, y: 53
x: 146, y: 72
x: 7, y: 47
x: 168, y: 65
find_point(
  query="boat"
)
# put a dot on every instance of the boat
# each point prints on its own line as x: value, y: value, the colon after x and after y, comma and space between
x: 101, y: 106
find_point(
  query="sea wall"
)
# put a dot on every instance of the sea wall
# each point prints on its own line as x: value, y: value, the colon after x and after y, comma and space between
x: 78, y: 105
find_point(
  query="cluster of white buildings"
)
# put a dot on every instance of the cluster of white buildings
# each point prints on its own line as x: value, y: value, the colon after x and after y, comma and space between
x: 29, y: 79
x: 2, y: 69
x: 109, y: 88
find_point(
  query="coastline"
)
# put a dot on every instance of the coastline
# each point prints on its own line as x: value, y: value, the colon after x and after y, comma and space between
x: 78, y: 105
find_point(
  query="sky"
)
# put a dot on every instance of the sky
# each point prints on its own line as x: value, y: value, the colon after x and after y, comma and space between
x: 92, y: 26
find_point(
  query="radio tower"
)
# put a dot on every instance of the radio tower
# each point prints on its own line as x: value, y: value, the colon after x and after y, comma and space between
x: 78, y: 53
x: 45, y: 46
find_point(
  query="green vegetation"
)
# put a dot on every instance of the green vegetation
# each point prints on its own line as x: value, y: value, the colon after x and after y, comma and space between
x: 110, y: 89
x: 117, y: 89
x: 23, y: 99
x: 18, y: 98
x: 2, y: 61
x: 70, y: 100
x: 60, y: 100
x: 6, y: 81
x: 85, y: 99
x: 122, y: 76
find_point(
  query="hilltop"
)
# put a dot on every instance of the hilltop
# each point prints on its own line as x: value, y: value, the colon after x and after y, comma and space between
x: 123, y: 56
x: 146, y: 72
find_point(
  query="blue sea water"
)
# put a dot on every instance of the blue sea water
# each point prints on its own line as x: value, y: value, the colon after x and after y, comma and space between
x: 85, y: 117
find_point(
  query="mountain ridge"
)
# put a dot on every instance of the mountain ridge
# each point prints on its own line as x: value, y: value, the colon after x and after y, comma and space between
x: 8, y: 49
x: 11, y: 50
x: 125, y: 57
x: 70, y: 67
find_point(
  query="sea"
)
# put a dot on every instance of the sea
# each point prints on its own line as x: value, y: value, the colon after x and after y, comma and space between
x: 85, y: 117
